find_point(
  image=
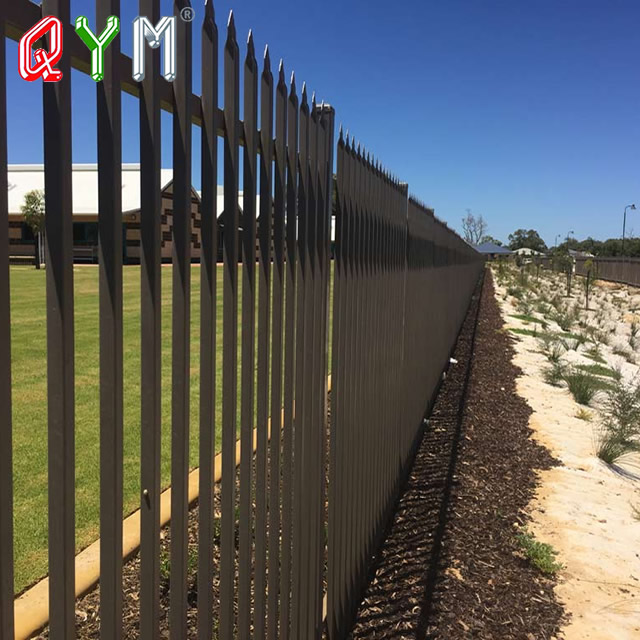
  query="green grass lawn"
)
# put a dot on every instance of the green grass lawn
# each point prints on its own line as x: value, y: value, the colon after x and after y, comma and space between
x: 30, y: 404
x: 29, y: 384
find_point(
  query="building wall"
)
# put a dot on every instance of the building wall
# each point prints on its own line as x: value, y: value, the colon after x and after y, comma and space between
x: 132, y: 226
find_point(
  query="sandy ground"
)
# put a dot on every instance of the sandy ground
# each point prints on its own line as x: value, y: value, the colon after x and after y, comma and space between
x: 583, y: 508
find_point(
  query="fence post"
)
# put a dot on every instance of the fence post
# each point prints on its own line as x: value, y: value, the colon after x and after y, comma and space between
x: 6, y: 472
x: 60, y: 339
x: 111, y: 328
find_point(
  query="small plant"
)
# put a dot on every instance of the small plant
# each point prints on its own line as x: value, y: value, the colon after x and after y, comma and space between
x: 594, y: 353
x: 540, y: 554
x: 563, y: 320
x: 554, y: 375
x: 619, y: 433
x: 625, y: 353
x: 574, y: 343
x: 525, y: 305
x: 554, y: 353
x: 165, y: 563
x: 515, y: 292
x: 611, y: 447
x: 582, y: 385
x: 635, y: 510
x: 585, y: 415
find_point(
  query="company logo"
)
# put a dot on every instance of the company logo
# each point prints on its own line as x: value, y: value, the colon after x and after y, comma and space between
x: 45, y: 61
x: 40, y: 63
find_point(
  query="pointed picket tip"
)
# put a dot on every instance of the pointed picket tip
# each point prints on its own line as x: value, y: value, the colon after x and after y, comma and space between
x: 209, y: 11
x: 282, y: 83
x: 266, y: 57
x: 346, y: 139
x: 292, y: 84
x: 231, y: 26
x: 304, y: 92
x: 250, y: 46
x: 340, y: 132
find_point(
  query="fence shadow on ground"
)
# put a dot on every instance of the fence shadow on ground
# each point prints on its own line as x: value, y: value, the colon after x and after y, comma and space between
x: 407, y: 570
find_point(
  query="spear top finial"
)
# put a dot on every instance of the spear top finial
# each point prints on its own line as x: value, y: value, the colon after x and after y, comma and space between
x: 209, y: 12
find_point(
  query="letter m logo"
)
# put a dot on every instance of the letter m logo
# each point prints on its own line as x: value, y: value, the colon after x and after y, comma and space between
x: 144, y: 30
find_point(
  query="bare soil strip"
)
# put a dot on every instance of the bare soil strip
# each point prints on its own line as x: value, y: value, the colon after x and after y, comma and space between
x: 450, y: 566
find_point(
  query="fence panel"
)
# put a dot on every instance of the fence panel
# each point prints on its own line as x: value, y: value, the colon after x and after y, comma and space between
x: 624, y: 270
x: 403, y: 282
x: 297, y: 528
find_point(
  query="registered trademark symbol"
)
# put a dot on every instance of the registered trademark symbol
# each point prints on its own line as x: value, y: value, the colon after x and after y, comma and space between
x: 188, y: 14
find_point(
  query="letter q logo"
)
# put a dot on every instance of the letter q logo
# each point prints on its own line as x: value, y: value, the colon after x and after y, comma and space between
x: 45, y: 61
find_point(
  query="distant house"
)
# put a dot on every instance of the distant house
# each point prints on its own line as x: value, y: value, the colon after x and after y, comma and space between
x: 525, y: 251
x: 25, y: 178
x: 579, y: 254
x: 492, y: 250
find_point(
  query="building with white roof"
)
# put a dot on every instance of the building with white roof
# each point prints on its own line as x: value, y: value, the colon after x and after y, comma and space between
x: 25, y: 178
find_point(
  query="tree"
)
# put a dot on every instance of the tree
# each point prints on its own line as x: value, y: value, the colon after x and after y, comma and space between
x: 33, y: 212
x: 529, y: 239
x: 473, y: 228
x: 491, y: 239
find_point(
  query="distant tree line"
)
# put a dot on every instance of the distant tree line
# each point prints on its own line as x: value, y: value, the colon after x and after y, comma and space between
x: 475, y: 229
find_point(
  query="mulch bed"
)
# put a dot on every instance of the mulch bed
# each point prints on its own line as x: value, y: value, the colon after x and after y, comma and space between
x: 450, y: 566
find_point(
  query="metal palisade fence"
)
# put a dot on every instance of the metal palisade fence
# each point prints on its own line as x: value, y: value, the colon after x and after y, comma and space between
x: 302, y: 513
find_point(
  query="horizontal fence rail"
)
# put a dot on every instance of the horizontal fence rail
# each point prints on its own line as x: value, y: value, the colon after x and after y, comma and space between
x: 284, y: 542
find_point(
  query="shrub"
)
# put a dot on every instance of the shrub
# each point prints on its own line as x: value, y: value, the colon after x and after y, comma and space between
x: 582, y: 385
x: 611, y: 447
x: 554, y: 353
x: 625, y: 353
x: 619, y: 433
x: 554, y: 375
x: 515, y: 292
x: 574, y: 343
x: 563, y: 320
x: 595, y: 354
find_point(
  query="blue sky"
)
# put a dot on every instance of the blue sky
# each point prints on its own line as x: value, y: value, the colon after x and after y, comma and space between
x: 524, y: 111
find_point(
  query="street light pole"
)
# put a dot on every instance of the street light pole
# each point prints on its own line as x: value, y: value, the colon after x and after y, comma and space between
x: 624, y: 222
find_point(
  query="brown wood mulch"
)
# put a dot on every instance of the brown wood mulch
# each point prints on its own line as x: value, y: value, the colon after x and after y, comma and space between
x: 450, y: 566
